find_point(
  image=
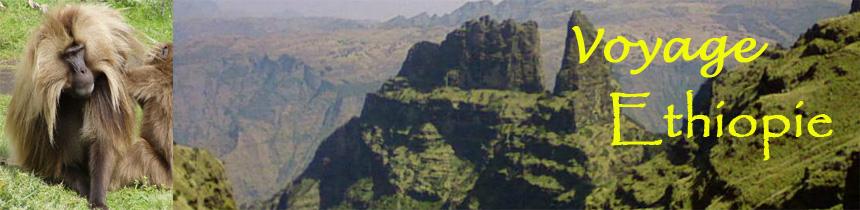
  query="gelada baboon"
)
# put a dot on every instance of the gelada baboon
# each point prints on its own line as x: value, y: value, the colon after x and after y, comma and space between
x: 71, y: 119
x: 152, y: 86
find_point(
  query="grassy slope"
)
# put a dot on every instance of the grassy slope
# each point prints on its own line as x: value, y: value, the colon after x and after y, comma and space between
x: 822, y: 71
x: 23, y: 190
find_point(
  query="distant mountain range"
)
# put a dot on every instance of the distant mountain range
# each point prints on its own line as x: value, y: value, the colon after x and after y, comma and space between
x: 763, y: 18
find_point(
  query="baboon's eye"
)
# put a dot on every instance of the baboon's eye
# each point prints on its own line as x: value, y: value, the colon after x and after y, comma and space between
x: 74, y: 48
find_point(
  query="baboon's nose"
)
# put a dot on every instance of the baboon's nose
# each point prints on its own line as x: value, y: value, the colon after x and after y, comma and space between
x: 83, y: 82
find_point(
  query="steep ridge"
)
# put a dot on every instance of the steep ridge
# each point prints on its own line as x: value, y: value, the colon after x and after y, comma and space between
x: 590, y: 82
x: 449, y: 147
x: 357, y: 56
x: 501, y: 148
x: 594, y: 72
x: 483, y: 54
x: 770, y: 21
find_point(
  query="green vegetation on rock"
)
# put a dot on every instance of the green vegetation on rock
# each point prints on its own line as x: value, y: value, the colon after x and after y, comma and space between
x: 806, y: 172
x: 482, y: 54
x: 199, y: 181
x: 451, y: 148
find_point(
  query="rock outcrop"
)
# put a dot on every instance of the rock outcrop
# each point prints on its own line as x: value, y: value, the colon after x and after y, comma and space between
x: 855, y: 6
x: 422, y: 145
x: 461, y: 148
x: 482, y: 54
x: 593, y: 77
x: 574, y: 75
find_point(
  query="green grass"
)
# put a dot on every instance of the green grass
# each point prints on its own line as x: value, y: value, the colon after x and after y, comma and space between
x: 4, y: 150
x: 153, y: 18
x: 19, y: 190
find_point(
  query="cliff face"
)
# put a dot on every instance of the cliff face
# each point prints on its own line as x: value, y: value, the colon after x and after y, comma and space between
x: 499, y: 148
x: 483, y: 54
x: 593, y: 77
x: 769, y: 21
x: 261, y: 114
x: 461, y: 146
x: 592, y: 73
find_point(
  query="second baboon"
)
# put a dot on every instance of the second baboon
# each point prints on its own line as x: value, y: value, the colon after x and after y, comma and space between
x: 152, y: 86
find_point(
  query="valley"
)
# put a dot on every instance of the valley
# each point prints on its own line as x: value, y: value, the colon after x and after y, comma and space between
x: 483, y: 142
x: 262, y: 93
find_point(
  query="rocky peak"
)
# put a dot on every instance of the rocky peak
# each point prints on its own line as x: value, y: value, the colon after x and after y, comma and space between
x: 421, y: 67
x: 475, y: 7
x: 573, y: 75
x: 590, y: 83
x: 482, y: 54
x: 855, y: 6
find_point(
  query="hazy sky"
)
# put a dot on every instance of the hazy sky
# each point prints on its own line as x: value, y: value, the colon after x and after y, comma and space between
x: 355, y: 9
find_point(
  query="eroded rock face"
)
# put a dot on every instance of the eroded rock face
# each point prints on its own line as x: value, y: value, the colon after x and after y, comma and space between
x: 482, y: 54
x: 574, y: 75
x: 489, y: 148
x: 422, y: 68
x: 589, y: 82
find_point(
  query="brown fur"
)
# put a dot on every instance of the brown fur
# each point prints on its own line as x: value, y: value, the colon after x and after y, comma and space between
x: 152, y: 86
x: 75, y: 141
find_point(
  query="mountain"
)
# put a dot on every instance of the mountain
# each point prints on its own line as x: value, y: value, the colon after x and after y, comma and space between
x: 769, y: 21
x: 822, y: 69
x: 357, y: 57
x: 483, y: 54
x: 450, y: 147
x: 767, y: 16
x: 249, y: 104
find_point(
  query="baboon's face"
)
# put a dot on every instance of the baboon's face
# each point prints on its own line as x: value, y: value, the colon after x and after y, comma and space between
x: 74, y: 50
x: 80, y: 82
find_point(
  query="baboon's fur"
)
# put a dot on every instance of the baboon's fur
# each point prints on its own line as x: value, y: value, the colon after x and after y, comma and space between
x: 87, y: 144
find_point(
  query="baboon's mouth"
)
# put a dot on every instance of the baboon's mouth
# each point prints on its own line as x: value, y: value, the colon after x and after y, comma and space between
x: 82, y: 91
x: 86, y: 91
